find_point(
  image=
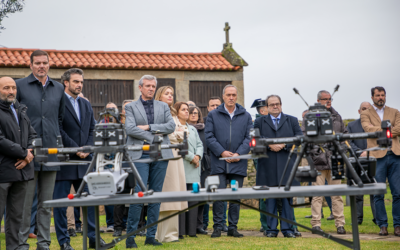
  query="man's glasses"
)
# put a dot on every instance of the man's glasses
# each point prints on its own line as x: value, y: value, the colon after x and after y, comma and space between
x: 274, y: 104
x: 326, y: 99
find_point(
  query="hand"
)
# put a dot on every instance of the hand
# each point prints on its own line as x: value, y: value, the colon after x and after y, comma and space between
x: 226, y: 154
x: 82, y: 155
x: 29, y: 156
x: 363, y: 154
x: 144, y: 127
x: 235, y: 160
x: 21, y: 164
x: 197, y: 165
x: 370, y: 125
x: 195, y: 160
x: 277, y: 147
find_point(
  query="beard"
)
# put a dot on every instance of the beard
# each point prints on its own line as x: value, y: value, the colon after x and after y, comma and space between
x: 379, y: 103
x: 8, y: 99
x: 75, y: 91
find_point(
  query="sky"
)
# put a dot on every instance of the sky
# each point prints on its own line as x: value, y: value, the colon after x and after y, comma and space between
x: 311, y: 45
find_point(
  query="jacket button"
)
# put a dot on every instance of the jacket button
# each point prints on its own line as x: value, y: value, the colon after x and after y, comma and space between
x: 42, y: 100
x: 43, y: 117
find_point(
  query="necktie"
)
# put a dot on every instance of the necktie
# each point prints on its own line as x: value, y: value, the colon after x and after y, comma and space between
x: 276, y: 123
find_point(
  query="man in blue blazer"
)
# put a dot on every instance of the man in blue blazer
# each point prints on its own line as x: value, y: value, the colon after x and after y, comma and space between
x: 76, y: 131
x: 358, y: 145
x: 270, y: 170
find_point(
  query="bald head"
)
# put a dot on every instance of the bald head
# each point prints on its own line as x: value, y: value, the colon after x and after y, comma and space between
x: 364, y: 106
x: 8, y: 89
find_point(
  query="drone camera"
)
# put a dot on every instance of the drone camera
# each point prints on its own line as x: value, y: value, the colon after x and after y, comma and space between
x: 385, y: 138
x: 109, y: 134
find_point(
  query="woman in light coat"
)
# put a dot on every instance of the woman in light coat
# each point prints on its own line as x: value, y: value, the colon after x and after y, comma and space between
x: 192, y: 163
x: 168, y: 231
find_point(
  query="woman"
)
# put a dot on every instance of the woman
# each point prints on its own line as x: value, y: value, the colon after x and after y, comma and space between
x: 168, y: 231
x: 196, y: 120
x: 192, y: 161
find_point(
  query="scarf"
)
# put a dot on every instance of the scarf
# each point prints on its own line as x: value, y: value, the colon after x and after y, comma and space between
x: 198, y: 126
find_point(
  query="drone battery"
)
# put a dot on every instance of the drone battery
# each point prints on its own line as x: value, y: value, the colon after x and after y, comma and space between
x: 326, y: 126
x: 109, y: 134
x: 311, y: 125
x: 337, y: 164
x: 369, y: 165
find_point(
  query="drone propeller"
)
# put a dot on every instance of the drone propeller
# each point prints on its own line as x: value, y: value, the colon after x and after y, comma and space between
x: 372, y: 149
x: 246, y: 157
x: 67, y: 163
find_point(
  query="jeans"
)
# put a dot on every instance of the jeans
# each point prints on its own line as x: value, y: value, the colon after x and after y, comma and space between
x: 388, y: 167
x: 153, y: 174
x: 109, y: 215
x: 287, y: 213
x: 206, y: 212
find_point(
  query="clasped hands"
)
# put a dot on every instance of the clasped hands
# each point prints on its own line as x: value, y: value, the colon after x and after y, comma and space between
x: 82, y: 155
x: 196, y: 161
x: 227, y: 154
x: 276, y: 147
x: 28, y: 159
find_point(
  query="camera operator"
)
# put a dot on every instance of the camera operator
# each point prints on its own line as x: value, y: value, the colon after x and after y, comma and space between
x: 16, y: 135
x: 322, y: 163
x: 388, y: 161
x: 358, y: 145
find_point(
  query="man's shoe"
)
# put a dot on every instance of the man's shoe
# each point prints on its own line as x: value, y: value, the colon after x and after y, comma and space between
x: 130, y: 243
x: 297, y: 233
x: 71, y: 232
x: 225, y: 228
x: 181, y: 237
x: 117, y: 232
x: 110, y: 229
x: 66, y: 246
x: 322, y: 215
x: 152, y: 241
x: 340, y: 230
x: 193, y: 236
x: 331, y: 217
x: 78, y: 230
x: 32, y: 236
x: 142, y: 232
x: 270, y: 235
x: 397, y: 231
x: 201, y: 231
x: 308, y: 217
x: 374, y: 221
x: 234, y: 233
x: 317, y: 228
x: 290, y: 235
x: 383, y: 231
x: 93, y: 244
x: 360, y: 222
x: 261, y: 229
x: 216, y: 233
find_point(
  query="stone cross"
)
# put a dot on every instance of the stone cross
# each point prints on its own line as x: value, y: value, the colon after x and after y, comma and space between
x: 226, y: 29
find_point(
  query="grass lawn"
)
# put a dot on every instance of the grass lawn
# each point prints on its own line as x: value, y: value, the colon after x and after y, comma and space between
x: 249, y: 220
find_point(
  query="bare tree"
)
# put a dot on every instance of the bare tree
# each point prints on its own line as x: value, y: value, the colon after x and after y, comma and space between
x: 7, y: 7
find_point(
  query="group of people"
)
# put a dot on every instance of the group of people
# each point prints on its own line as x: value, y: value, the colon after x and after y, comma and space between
x: 38, y: 106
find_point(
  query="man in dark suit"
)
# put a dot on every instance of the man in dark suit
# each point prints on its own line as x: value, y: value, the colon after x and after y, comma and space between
x: 76, y: 131
x: 358, y: 145
x: 270, y: 170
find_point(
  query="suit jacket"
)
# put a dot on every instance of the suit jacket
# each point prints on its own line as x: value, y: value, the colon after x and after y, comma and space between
x: 370, y: 116
x: 163, y: 124
x: 270, y: 170
x: 76, y: 133
x: 355, y: 127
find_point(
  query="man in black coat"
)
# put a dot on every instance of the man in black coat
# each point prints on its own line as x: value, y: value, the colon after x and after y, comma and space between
x: 16, y: 166
x: 44, y: 98
x: 227, y: 135
x: 358, y: 145
x: 270, y: 170
x: 76, y: 131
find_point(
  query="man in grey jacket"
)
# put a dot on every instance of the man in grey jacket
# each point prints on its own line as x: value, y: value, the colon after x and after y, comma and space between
x: 144, y: 118
x: 321, y: 159
x: 44, y: 98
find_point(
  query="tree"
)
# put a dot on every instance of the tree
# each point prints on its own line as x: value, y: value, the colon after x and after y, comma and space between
x: 7, y: 7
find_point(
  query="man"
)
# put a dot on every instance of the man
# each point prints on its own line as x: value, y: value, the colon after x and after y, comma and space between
x: 321, y: 159
x: 144, y: 118
x: 213, y: 103
x: 227, y: 135
x: 44, y: 98
x: 16, y: 166
x: 270, y: 170
x: 76, y: 131
x: 388, y: 161
x: 358, y: 145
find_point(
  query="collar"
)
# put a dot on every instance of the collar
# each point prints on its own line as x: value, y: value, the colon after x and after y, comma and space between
x: 279, y: 116
x: 377, y: 109
x: 228, y: 111
x: 47, y: 79
x: 69, y: 97
x: 146, y: 102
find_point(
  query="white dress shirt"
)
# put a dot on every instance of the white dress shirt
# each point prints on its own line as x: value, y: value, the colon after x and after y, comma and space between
x: 380, y: 112
x: 231, y: 114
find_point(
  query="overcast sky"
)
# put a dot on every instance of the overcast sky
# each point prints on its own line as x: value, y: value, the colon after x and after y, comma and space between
x: 310, y: 45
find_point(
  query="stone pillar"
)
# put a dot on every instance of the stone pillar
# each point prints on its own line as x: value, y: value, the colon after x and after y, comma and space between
x: 136, y: 92
x: 182, y: 91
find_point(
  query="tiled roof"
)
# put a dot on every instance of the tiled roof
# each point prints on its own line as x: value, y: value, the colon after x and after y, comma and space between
x: 12, y: 57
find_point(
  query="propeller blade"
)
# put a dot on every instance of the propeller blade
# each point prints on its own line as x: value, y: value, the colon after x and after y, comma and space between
x: 67, y: 163
x: 246, y: 157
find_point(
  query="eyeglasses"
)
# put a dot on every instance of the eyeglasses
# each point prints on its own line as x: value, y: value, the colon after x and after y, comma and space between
x: 326, y: 99
x: 274, y: 105
x: 194, y: 113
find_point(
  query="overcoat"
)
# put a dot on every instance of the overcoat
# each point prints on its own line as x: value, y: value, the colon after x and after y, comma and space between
x: 223, y: 133
x: 15, y: 140
x: 76, y: 133
x: 175, y: 176
x: 270, y: 170
x: 45, y: 110
x: 192, y: 174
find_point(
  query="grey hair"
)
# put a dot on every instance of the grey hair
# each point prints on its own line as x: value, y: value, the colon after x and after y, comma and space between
x: 147, y: 77
x: 67, y: 74
x: 363, y: 103
x: 228, y: 86
x: 277, y: 96
x: 321, y: 92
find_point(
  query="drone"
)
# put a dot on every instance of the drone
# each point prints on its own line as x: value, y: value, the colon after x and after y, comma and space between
x: 318, y: 131
x: 109, y: 138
